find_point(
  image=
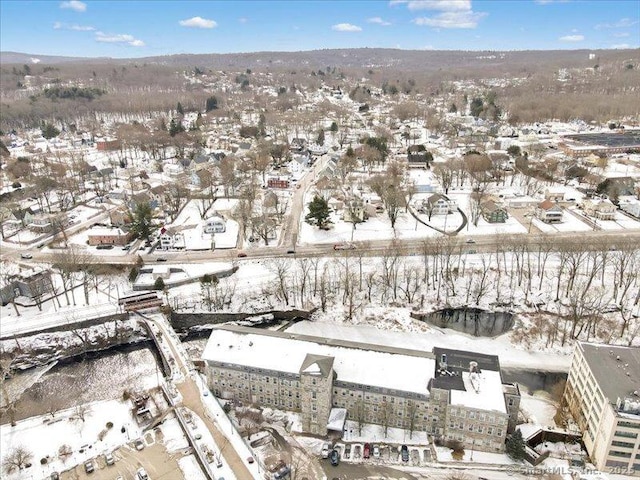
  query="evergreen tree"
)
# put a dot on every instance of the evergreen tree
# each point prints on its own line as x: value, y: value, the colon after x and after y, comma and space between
x: 175, y: 127
x: 141, y: 225
x: 515, y: 446
x: 158, y: 284
x: 319, y: 212
x: 211, y: 104
x: 179, y: 109
x: 334, y: 127
x: 49, y: 131
x: 514, y: 151
x: 320, y: 140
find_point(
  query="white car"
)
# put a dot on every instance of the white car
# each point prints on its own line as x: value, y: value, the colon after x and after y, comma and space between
x: 141, y: 474
x: 325, y: 450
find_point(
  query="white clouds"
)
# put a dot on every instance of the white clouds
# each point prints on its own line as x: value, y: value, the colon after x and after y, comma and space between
x: 450, y: 13
x: 74, y: 27
x: 243, y: 20
x: 621, y: 34
x: 198, y: 22
x: 572, y: 38
x: 547, y: 2
x: 122, y: 38
x: 378, y: 21
x: 441, y: 5
x: 468, y: 19
x: 622, y: 23
x: 346, y: 27
x: 621, y: 46
x: 76, y: 5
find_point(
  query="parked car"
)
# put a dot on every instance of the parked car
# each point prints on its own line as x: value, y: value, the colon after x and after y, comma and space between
x: 376, y: 451
x: 104, y: 247
x: 291, y: 251
x: 126, y: 247
x: 138, y: 443
x: 325, y: 450
x: 334, y: 456
x: 161, y: 259
x: 282, y: 473
x: 344, y: 246
x: 88, y: 466
x: 250, y: 460
x: 242, y: 255
x: 108, y: 458
x: 404, y: 452
x: 470, y: 240
x: 141, y: 474
x: 347, y: 451
x: 367, y: 451
x: 26, y: 256
x: 55, y: 476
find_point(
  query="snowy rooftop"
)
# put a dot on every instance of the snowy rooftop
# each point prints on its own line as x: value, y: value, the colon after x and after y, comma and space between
x: 361, y: 363
x: 482, y: 391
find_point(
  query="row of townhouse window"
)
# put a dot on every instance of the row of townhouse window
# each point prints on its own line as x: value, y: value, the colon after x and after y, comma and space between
x: 380, y: 390
x: 475, y: 415
x: 475, y: 427
x: 622, y: 433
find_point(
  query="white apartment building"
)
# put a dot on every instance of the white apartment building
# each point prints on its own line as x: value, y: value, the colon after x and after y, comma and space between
x: 603, y: 395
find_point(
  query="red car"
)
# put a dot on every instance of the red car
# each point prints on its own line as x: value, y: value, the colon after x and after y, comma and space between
x: 367, y: 451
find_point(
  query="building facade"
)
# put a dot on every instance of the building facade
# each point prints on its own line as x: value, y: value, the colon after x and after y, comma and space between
x: 603, y: 396
x: 388, y: 386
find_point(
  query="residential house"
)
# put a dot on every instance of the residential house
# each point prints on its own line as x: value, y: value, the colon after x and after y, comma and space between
x: 47, y: 222
x: 554, y: 194
x: 32, y: 284
x: 631, y: 206
x: 120, y: 217
x: 171, y: 239
x: 278, y: 182
x: 599, y: 208
x: 108, y: 236
x: 437, y: 204
x: 549, y: 212
x: 493, y: 213
x: 107, y: 144
x: 354, y: 210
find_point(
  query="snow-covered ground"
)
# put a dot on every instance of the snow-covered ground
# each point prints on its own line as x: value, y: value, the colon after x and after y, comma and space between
x: 43, y: 436
x: 401, y: 331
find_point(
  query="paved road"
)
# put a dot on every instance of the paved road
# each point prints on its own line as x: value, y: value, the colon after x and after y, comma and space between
x: 292, y: 220
x: 483, y: 243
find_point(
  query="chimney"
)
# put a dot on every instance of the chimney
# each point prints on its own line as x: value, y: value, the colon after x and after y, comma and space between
x: 443, y: 361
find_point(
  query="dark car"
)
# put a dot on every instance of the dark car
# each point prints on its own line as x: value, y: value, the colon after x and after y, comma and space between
x: 55, y: 476
x: 104, y: 247
x: 242, y: 255
x: 367, y: 451
x: 404, y: 452
x: 161, y: 259
x: 291, y: 251
x: 334, y: 457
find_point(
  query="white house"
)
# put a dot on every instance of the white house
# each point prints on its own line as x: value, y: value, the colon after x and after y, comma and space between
x: 549, y: 212
x: 601, y: 209
x: 630, y: 205
x: 438, y: 204
x: 171, y: 239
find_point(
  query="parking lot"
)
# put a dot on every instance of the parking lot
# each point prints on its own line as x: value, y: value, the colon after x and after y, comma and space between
x: 154, y: 458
